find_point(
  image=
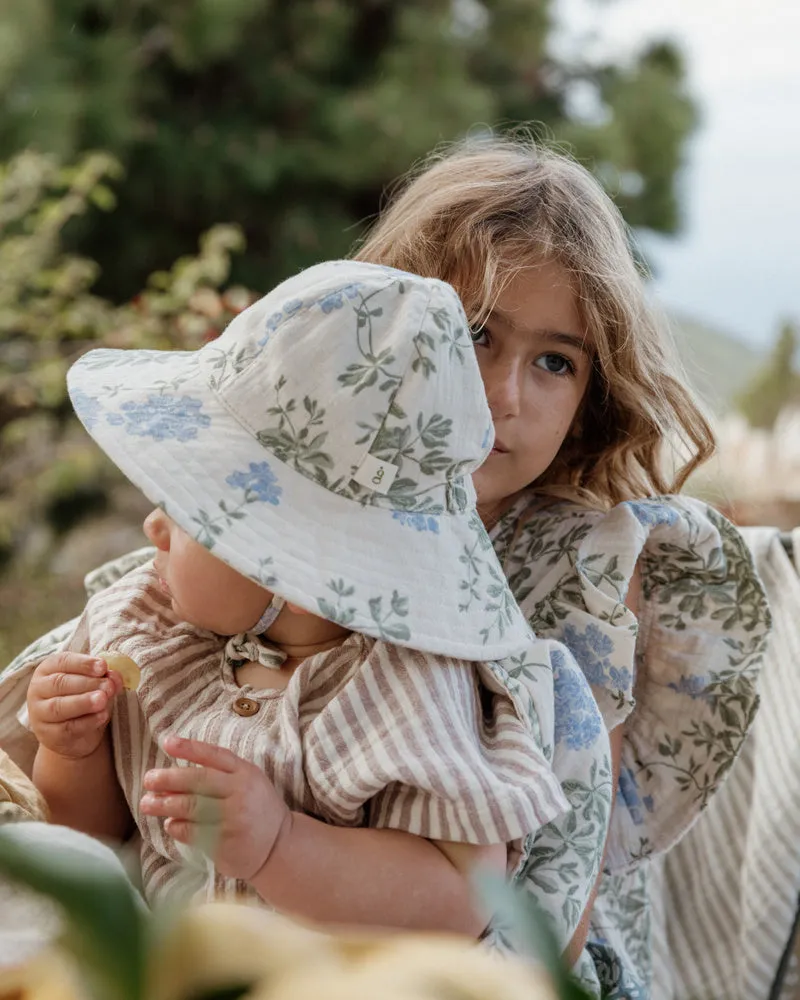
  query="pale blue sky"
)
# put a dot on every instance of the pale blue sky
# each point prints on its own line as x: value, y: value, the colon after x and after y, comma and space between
x: 737, y: 262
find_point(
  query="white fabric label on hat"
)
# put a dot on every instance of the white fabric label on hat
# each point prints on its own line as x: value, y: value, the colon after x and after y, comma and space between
x: 375, y: 474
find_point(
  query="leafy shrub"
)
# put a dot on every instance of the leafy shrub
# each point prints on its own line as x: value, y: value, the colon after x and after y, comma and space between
x: 49, y: 471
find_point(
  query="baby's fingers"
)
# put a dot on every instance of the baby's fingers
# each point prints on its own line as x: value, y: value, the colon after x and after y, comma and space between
x: 72, y: 663
x: 63, y: 685
x: 72, y: 732
x: 67, y: 708
x: 195, y: 780
x: 181, y: 830
x: 190, y: 808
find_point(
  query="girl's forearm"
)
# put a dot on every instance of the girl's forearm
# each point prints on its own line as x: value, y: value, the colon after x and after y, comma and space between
x: 83, y: 793
x: 361, y: 876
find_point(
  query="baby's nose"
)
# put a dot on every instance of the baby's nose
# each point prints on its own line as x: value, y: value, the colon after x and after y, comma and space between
x: 156, y: 529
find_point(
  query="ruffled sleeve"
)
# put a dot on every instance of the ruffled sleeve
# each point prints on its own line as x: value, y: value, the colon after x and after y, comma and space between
x: 434, y: 746
x: 682, y: 677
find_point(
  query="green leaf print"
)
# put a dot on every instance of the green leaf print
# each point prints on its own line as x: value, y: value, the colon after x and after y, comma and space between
x: 385, y: 623
x: 422, y: 363
x: 361, y: 375
x: 292, y: 442
x: 337, y: 612
x: 388, y: 629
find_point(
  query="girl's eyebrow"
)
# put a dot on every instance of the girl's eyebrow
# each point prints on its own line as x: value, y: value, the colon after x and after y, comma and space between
x: 569, y: 339
x: 556, y: 336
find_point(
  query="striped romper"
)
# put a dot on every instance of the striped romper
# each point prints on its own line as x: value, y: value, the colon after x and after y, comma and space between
x: 366, y: 734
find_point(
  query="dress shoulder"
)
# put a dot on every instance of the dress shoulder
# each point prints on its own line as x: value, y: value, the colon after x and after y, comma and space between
x: 682, y: 677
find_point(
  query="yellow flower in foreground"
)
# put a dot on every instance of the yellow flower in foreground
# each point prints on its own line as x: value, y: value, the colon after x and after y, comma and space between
x: 228, y: 949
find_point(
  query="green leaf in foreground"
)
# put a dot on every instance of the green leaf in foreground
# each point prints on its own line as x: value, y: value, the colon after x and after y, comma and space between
x: 526, y: 925
x: 106, y: 924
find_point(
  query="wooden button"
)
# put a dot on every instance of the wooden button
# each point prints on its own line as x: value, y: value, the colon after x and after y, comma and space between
x: 245, y: 706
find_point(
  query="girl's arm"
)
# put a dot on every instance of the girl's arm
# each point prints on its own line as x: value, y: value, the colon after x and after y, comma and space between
x: 578, y: 942
x: 343, y: 875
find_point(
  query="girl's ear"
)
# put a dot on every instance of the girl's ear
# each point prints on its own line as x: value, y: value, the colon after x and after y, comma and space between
x: 297, y: 610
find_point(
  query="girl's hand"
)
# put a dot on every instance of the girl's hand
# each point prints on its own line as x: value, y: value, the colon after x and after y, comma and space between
x: 225, y: 800
x: 69, y: 703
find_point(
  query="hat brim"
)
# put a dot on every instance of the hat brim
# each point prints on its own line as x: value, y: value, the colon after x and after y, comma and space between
x: 429, y: 582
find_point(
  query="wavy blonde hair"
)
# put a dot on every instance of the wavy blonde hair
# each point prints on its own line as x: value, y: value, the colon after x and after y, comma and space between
x: 475, y: 214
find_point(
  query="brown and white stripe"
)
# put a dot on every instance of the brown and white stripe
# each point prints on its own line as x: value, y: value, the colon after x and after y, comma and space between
x: 365, y: 734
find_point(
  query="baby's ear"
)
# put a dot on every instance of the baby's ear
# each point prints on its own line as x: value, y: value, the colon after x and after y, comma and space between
x: 296, y: 610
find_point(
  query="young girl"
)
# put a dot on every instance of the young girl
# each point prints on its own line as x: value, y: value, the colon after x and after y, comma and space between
x: 312, y: 475
x: 584, y: 395
x: 655, y: 595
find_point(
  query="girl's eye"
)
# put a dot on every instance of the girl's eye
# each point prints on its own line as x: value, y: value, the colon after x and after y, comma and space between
x: 555, y: 364
x: 480, y: 336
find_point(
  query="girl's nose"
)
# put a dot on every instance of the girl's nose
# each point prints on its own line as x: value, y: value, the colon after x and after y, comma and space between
x: 503, y: 389
x: 156, y: 529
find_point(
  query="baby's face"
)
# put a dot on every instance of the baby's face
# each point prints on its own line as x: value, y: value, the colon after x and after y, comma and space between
x: 204, y: 591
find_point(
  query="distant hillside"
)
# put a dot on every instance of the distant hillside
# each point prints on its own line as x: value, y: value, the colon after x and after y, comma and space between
x: 717, y: 363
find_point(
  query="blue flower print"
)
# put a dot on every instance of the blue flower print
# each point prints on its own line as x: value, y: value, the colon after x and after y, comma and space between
x: 272, y: 325
x: 162, y: 418
x: 628, y: 793
x: 487, y: 437
x: 329, y: 302
x: 651, y: 513
x: 289, y: 309
x: 592, y: 650
x: 274, y: 322
x: 577, y: 719
x: 422, y: 522
x: 335, y: 300
x: 695, y: 686
x: 87, y: 407
x: 258, y: 483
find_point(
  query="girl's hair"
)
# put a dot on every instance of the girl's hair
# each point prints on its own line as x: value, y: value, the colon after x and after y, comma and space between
x: 477, y: 213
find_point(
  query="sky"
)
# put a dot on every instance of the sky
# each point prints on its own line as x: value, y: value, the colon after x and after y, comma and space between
x: 736, y: 264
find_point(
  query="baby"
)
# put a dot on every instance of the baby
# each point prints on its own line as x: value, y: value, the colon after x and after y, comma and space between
x: 335, y: 679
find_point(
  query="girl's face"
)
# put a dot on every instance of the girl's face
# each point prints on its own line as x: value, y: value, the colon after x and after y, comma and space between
x: 205, y: 591
x: 536, y: 364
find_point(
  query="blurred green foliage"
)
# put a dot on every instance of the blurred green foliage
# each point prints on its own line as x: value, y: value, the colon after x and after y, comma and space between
x: 290, y: 118
x: 49, y: 315
x: 776, y: 385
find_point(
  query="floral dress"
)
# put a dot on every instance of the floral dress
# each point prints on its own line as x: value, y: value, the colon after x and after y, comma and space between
x: 682, y: 679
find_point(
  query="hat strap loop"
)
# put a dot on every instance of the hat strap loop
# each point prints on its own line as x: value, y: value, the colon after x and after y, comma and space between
x: 274, y: 608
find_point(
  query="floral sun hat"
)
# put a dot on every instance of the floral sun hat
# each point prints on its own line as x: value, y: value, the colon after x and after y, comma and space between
x: 323, y: 446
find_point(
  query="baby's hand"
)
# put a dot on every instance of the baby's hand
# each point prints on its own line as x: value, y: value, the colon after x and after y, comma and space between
x: 69, y: 703
x: 225, y: 800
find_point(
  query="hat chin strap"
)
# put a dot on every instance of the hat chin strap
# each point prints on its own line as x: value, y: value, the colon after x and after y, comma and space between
x: 274, y: 608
